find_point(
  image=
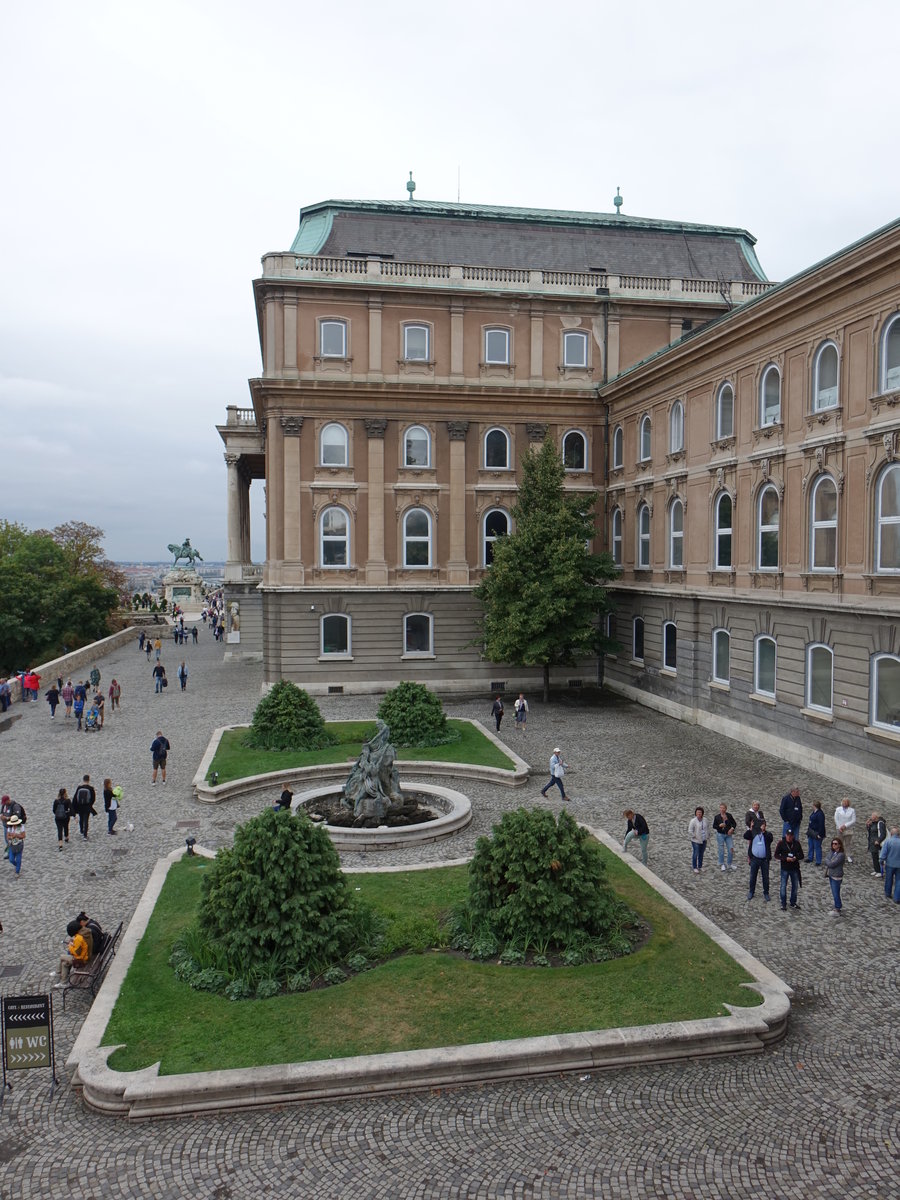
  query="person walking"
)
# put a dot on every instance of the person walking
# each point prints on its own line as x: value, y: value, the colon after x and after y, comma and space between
x: 183, y: 675
x: 194, y: 634
x: 141, y: 638
x: 159, y: 674
x: 111, y: 797
x: 497, y: 712
x: 724, y: 825
x: 95, y: 677
x: 557, y: 773
x: 68, y: 695
x: 698, y: 828
x: 890, y: 859
x: 159, y: 750
x: 83, y: 805
x: 791, y: 811
x: 521, y: 707
x: 157, y: 646
x: 844, y: 820
x: 62, y: 813
x: 99, y: 705
x: 115, y: 695
x: 52, y: 694
x: 834, y: 873
x: 876, y: 832
x: 789, y: 853
x: 815, y: 835
x: 759, y: 855
x: 148, y: 646
x: 637, y: 828
x: 15, y: 841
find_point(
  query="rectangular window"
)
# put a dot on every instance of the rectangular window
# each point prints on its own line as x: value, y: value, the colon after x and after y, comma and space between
x: 575, y: 349
x: 417, y: 633
x: 415, y: 343
x: 496, y: 346
x: 638, y: 640
x: 336, y: 634
x: 333, y: 339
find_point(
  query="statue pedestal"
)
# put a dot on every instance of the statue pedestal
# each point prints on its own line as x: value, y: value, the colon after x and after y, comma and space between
x: 183, y: 585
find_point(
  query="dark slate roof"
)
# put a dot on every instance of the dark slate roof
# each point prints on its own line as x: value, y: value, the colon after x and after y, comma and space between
x: 463, y: 235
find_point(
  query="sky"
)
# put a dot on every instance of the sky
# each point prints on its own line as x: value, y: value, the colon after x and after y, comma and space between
x: 152, y: 153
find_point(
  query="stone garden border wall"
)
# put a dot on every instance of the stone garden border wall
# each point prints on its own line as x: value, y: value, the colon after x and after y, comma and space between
x: 145, y: 1093
x: 68, y: 664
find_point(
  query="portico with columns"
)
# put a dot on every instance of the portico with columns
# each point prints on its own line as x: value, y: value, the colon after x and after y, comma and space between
x: 244, y: 458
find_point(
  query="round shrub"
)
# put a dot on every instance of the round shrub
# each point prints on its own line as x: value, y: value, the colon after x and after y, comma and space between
x: 415, y: 716
x: 288, y: 718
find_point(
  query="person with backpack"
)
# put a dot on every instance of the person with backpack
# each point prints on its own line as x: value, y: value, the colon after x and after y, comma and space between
x: 95, y: 678
x: 83, y: 805
x: 62, y: 813
x: 115, y: 695
x: 15, y: 841
x: 159, y: 749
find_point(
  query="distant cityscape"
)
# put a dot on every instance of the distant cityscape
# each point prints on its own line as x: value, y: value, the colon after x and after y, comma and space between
x: 148, y: 576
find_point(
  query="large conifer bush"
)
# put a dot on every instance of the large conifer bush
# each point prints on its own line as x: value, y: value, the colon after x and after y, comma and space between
x: 415, y: 716
x: 288, y: 718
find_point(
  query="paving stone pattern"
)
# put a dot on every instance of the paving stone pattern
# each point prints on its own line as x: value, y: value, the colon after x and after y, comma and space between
x: 814, y: 1117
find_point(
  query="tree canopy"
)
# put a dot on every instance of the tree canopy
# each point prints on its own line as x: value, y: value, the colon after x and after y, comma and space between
x: 543, y: 595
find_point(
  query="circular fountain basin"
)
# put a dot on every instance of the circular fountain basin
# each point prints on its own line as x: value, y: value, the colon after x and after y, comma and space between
x: 454, y: 812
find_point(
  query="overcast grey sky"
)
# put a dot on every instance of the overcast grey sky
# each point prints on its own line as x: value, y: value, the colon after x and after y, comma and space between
x: 153, y: 152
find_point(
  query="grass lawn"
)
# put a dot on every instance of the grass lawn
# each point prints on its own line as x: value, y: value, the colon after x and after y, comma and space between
x: 417, y: 1000
x: 234, y: 761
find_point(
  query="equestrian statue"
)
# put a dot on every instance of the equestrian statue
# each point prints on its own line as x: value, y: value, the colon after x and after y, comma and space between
x: 187, y: 552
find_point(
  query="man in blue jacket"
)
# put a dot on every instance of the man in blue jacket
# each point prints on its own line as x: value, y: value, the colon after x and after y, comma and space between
x: 791, y: 811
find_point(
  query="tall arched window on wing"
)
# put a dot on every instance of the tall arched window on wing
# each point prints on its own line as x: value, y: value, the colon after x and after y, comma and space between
x: 616, y: 536
x: 890, y: 355
x: 721, y: 656
x: 496, y: 525
x: 725, y: 411
x: 496, y: 450
x: 770, y: 396
x: 618, y: 447
x: 826, y: 367
x: 575, y: 451
x: 416, y: 447
x: 823, y: 525
x: 643, y: 536
x: 764, y: 664
x: 676, y: 428
x: 820, y: 678
x: 887, y: 521
x: 676, y: 534
x: 417, y: 538
x: 884, y: 692
x: 769, y: 512
x: 334, y: 446
x: 723, y: 531
x: 646, y: 439
x: 334, y: 548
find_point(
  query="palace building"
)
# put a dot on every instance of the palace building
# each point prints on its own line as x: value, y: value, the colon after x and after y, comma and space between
x: 741, y: 437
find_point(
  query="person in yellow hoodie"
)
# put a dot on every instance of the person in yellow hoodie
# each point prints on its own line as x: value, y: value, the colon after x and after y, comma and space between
x: 79, y: 949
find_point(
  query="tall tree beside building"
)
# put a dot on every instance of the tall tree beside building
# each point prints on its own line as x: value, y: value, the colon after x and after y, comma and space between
x: 544, y: 594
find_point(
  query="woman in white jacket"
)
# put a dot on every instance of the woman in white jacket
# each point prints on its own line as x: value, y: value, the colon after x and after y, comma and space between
x: 699, y: 831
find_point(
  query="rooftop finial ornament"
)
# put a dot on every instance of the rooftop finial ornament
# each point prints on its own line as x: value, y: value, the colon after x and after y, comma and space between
x: 618, y: 201
x: 410, y: 186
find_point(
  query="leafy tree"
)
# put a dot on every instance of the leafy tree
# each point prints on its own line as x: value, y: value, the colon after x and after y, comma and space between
x: 277, y: 903
x: 538, y: 880
x: 288, y: 718
x: 415, y: 716
x: 544, y: 591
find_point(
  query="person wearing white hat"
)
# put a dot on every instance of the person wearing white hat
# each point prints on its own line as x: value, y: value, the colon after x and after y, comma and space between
x: 15, y: 841
x: 557, y: 773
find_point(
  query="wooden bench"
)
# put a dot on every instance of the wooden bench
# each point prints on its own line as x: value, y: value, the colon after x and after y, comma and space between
x: 91, y: 976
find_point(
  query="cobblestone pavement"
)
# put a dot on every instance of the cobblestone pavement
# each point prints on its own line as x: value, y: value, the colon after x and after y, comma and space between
x: 816, y: 1116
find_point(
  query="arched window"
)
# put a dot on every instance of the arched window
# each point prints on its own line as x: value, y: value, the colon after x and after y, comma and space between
x: 676, y: 428
x: 334, y: 444
x: 417, y: 634
x: 637, y: 640
x: 415, y: 343
x: 825, y: 377
x: 725, y: 411
x: 416, y: 447
x: 819, y: 678
x: 335, y: 538
x: 770, y: 397
x: 496, y: 347
x: 769, y: 517
x: 676, y: 534
x: 496, y: 450
x: 618, y: 447
x: 332, y: 339
x: 496, y: 524
x: 646, y: 439
x: 884, y: 709
x: 616, y: 536
x: 887, y: 520
x: 670, y: 645
x: 721, y: 656
x: 643, y: 527
x: 335, y: 634
x: 764, y: 660
x: 575, y: 348
x: 823, y: 525
x: 724, y: 526
x: 575, y: 451
x: 890, y: 355
x: 417, y: 538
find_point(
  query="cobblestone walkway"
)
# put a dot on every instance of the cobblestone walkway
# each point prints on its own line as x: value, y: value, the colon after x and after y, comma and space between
x: 815, y: 1117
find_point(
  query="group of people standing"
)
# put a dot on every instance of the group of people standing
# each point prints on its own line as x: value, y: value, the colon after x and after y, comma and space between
x: 81, y: 805
x: 88, y: 709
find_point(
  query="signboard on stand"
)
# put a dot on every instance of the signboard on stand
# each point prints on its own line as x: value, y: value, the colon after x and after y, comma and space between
x: 27, y: 1036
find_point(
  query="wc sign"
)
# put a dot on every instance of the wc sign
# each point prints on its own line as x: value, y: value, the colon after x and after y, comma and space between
x: 27, y: 1034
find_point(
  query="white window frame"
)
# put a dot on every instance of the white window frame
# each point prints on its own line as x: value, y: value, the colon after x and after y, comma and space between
x: 821, y: 527
x: 676, y: 428
x: 877, y: 660
x: 333, y: 540
x: 881, y: 520
x: 670, y: 626
x: 615, y: 535
x: 765, y: 418
x: 719, y: 530
x: 344, y: 444
x: 618, y: 447
x: 645, y: 438
x: 409, y: 540
x: 811, y: 651
x: 818, y: 405
x: 676, y: 536
x: 721, y: 430
x: 488, y: 540
x: 333, y: 323
x: 418, y: 327
x: 635, y: 657
x: 757, y: 642
x: 490, y: 358
x: 575, y: 433
x: 643, y: 560
x: 348, y: 625
x: 764, y: 529
x: 575, y: 337
x: 426, y: 437
x: 505, y: 435
x: 717, y: 674
x: 891, y: 324
x: 429, y: 653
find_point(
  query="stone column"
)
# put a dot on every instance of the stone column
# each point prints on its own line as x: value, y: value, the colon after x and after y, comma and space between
x: 375, y: 368
x: 376, y: 564
x: 612, y: 348
x: 293, y: 559
x: 269, y: 360
x: 290, y: 336
x: 537, y: 347
x: 233, y: 516
x: 275, y: 500
x: 457, y: 362
x: 245, y: 517
x: 457, y: 564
